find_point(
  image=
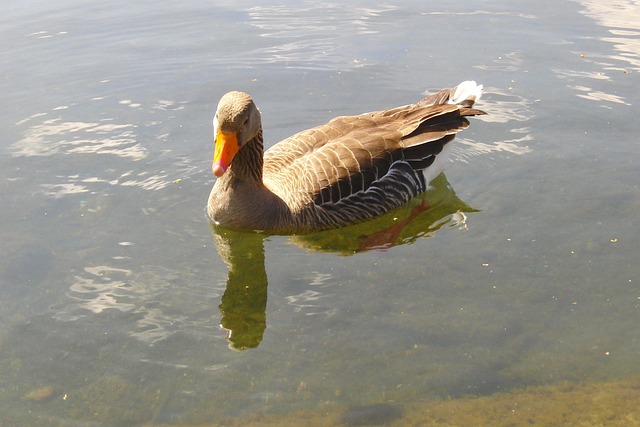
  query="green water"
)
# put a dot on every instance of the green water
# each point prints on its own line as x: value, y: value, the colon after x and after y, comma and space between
x: 119, y: 304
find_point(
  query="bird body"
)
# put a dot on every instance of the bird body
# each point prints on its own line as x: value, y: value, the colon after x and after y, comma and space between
x: 349, y: 170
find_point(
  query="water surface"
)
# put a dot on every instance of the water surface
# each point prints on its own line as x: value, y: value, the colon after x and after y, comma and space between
x: 120, y: 306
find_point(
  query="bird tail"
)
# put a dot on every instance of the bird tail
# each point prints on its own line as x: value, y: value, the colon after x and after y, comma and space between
x: 465, y: 95
x: 466, y: 92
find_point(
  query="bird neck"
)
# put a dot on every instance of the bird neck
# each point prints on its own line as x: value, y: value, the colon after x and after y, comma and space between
x: 248, y: 161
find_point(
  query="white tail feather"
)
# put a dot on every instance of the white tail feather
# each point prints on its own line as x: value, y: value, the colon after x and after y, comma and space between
x: 465, y: 90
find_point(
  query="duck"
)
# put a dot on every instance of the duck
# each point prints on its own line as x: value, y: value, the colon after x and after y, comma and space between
x: 349, y: 170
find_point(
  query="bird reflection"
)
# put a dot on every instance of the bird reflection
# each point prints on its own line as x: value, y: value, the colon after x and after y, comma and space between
x: 244, y: 302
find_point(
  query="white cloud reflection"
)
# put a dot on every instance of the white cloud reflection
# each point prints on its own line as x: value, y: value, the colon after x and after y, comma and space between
x: 502, y: 106
x: 101, y: 288
x: 310, y: 35
x: 323, y: 19
x: 54, y: 136
x: 98, y: 289
x: 313, y: 301
x: 621, y: 17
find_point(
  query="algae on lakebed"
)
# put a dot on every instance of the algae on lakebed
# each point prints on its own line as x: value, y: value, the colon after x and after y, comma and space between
x: 588, y: 404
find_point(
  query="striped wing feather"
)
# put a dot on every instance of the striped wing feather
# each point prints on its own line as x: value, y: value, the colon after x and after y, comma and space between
x: 333, y: 162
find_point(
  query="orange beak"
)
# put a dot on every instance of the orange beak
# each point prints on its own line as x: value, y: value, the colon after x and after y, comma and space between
x: 226, y: 147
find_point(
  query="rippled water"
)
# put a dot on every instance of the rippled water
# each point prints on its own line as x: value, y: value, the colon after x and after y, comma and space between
x: 120, y: 306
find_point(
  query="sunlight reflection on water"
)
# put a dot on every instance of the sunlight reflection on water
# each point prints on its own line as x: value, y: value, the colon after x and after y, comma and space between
x: 621, y: 17
x: 112, y: 293
x: 43, y: 140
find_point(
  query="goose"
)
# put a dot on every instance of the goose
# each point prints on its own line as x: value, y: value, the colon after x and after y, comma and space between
x: 349, y: 170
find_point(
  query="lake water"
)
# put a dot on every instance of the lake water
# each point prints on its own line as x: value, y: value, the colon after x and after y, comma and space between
x: 120, y: 306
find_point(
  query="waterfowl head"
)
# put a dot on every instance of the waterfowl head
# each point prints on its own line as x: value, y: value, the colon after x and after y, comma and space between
x: 236, y: 122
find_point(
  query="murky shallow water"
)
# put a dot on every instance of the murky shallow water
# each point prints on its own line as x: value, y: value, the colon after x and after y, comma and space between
x: 522, y: 272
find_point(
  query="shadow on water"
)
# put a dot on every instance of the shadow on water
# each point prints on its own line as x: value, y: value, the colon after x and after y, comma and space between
x: 243, y: 304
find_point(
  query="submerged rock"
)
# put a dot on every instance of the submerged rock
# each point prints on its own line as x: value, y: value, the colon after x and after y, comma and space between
x: 376, y: 415
x: 39, y: 394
